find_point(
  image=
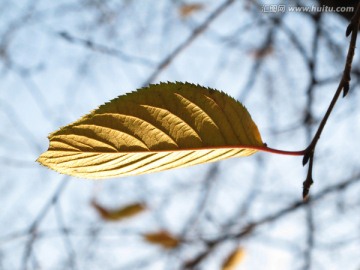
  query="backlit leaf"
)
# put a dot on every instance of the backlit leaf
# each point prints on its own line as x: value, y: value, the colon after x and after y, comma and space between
x: 160, y: 127
x: 163, y: 239
x: 118, y: 213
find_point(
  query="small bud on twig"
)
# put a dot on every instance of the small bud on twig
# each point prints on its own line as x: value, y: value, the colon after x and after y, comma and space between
x: 346, y: 89
x: 349, y: 29
x: 306, y: 158
x: 306, y: 188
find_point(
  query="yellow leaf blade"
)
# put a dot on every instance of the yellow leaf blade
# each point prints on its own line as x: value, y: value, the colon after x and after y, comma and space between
x: 164, y: 126
x: 107, y: 165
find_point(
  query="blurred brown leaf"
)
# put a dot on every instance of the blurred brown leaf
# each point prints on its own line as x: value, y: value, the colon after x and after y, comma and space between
x: 262, y: 53
x: 186, y: 10
x: 234, y: 259
x: 118, y: 213
x: 162, y: 238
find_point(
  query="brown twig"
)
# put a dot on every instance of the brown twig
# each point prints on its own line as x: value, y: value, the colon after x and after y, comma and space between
x: 342, y: 87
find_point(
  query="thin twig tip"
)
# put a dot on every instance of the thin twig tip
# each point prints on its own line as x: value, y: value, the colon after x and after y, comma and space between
x: 349, y: 29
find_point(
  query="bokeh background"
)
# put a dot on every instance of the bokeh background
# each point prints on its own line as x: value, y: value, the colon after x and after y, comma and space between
x: 61, y: 59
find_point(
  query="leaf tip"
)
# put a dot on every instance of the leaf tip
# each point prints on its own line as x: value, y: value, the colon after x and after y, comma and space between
x: 41, y: 160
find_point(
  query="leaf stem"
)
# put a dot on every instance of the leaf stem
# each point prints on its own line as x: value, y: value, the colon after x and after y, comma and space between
x: 283, y: 152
